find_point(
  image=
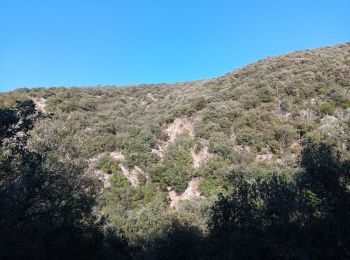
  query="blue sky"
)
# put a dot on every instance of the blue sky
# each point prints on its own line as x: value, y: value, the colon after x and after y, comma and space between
x: 76, y: 43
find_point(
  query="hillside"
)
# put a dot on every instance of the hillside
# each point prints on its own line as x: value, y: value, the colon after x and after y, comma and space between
x: 166, y: 151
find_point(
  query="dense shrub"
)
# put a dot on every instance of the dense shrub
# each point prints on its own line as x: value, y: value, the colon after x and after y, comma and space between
x: 253, y: 120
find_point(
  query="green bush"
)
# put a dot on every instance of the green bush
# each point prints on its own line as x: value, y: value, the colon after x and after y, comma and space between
x: 322, y: 90
x: 211, y: 187
x: 345, y: 103
x: 107, y: 164
x: 327, y: 108
x: 118, y: 180
x: 176, y: 167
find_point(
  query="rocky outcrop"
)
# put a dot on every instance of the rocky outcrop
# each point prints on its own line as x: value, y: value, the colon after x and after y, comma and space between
x: 199, y: 158
x: 102, y: 176
x: 192, y: 192
x: 179, y: 126
x: 132, y: 174
x: 116, y: 155
x: 40, y: 104
x: 173, y: 130
x: 264, y: 157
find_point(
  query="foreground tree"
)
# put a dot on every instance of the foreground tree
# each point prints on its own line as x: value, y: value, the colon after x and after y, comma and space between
x: 306, y: 218
x: 43, y: 213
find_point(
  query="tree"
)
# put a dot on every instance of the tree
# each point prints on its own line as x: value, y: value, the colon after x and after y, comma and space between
x: 253, y: 222
x: 326, y: 179
x: 305, y: 218
x: 43, y: 213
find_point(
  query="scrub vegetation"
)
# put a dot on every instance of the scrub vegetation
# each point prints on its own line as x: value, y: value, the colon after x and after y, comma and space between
x: 250, y: 165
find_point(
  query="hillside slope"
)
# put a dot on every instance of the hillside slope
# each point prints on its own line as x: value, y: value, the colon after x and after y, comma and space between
x: 166, y: 147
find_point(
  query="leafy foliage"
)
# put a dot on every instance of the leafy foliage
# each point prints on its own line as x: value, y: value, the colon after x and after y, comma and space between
x: 242, y: 134
x: 279, y: 219
x: 49, y: 208
x: 176, y: 167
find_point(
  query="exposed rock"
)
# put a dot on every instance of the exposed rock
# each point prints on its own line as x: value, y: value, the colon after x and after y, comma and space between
x: 287, y: 115
x: 40, y: 104
x: 233, y: 138
x: 295, y: 144
x: 238, y: 148
x: 264, y: 157
x: 306, y: 113
x: 200, y: 157
x: 179, y: 126
x: 116, y: 155
x: 328, y: 123
x: 151, y: 97
x: 103, y: 177
x: 192, y: 192
x: 308, y: 102
x: 330, y: 126
x: 161, y: 149
x: 174, y: 199
x: 176, y: 128
x: 132, y: 174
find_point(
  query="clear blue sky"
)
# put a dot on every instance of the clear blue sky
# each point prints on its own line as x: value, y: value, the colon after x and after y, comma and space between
x: 75, y: 43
